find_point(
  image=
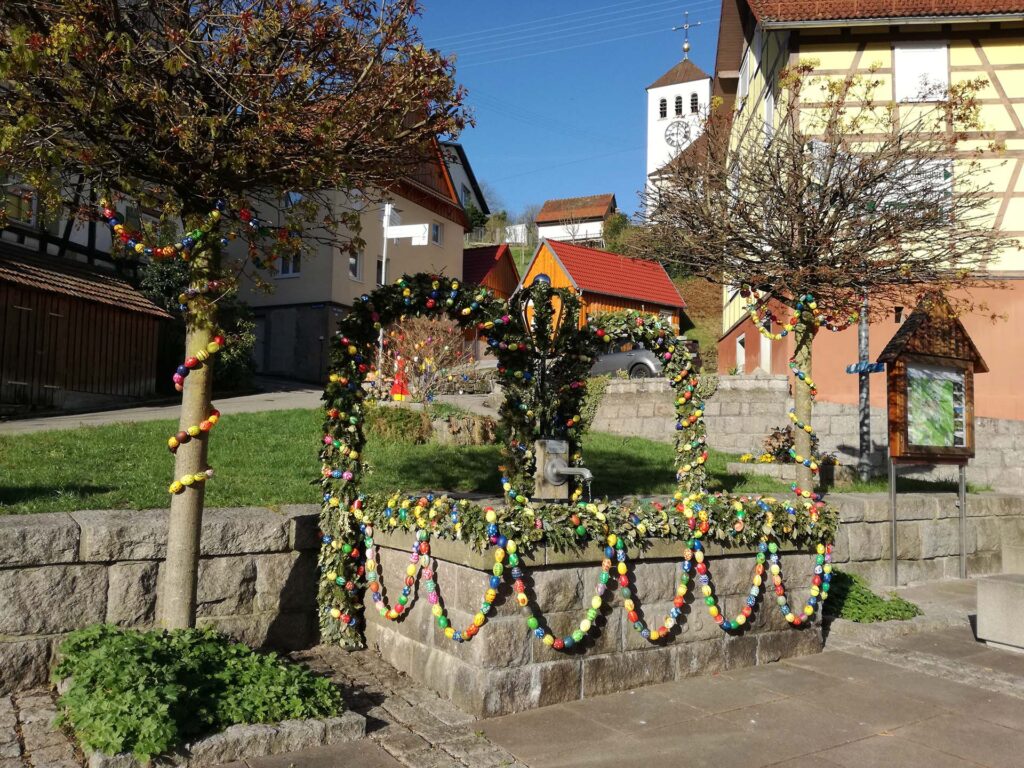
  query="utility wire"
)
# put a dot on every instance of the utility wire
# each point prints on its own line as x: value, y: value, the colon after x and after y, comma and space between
x: 549, y: 51
x: 549, y: 32
x: 615, y: 8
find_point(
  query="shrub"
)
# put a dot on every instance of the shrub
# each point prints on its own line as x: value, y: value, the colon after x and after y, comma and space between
x: 850, y: 598
x: 147, y: 692
x: 398, y: 424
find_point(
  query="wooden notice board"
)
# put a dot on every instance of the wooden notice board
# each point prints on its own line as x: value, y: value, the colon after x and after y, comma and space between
x: 930, y: 367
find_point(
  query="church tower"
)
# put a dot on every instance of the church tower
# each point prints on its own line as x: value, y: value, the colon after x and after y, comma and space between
x: 676, y: 104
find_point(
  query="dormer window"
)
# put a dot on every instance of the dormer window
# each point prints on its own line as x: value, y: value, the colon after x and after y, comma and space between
x: 679, y: 106
x: 694, y: 103
x: 663, y: 108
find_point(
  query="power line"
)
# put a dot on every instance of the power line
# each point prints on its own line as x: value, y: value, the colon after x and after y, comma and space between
x: 549, y: 51
x: 548, y: 31
x: 615, y: 8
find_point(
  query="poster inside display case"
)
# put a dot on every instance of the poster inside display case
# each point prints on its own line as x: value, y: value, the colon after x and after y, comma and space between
x: 936, y: 406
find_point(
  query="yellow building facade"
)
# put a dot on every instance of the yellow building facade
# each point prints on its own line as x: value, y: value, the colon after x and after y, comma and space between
x: 759, y: 38
x: 907, y: 48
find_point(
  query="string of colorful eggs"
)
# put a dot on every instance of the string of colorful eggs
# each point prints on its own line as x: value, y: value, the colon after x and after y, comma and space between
x: 197, y: 360
x: 186, y: 435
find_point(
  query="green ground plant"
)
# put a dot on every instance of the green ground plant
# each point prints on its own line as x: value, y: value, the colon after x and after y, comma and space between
x: 148, y: 692
x: 851, y: 598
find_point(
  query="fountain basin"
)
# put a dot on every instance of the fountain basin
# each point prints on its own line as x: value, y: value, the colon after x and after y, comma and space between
x: 505, y: 669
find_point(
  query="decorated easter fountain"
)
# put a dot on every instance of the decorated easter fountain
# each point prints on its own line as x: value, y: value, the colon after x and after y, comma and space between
x: 488, y: 604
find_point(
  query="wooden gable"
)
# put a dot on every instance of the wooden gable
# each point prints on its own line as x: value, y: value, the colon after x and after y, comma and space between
x: 933, y: 329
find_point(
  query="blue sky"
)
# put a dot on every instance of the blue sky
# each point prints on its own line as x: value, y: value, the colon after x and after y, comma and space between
x: 557, y: 88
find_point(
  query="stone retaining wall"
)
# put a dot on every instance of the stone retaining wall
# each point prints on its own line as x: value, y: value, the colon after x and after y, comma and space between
x: 506, y: 669
x: 258, y: 574
x: 745, y: 409
x: 64, y: 571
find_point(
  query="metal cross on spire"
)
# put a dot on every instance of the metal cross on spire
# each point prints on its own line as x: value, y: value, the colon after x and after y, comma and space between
x: 686, y: 25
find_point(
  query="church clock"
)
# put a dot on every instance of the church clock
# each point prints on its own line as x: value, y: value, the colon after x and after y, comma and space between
x: 677, y: 134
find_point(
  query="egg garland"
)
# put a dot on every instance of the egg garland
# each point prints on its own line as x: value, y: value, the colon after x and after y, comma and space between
x: 419, y: 563
x: 197, y: 360
x: 187, y: 481
x: 186, y: 435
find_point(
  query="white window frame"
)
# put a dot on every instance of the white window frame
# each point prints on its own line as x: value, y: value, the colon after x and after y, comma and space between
x: 741, y: 353
x: 926, y: 63
x: 380, y: 271
x: 663, y: 109
x: 694, y: 103
x: 743, y: 86
x: 286, y: 266
x: 679, y: 105
x: 437, y: 233
x: 358, y: 276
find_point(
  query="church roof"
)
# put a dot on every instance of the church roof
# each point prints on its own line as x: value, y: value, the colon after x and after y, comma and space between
x: 683, y: 72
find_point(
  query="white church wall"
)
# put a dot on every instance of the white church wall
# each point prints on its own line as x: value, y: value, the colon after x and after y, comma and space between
x: 659, y: 151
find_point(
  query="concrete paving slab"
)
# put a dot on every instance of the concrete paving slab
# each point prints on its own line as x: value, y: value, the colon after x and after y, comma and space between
x: 552, y: 736
x: 363, y: 753
x: 1010, y: 662
x: 717, y: 694
x: 949, y: 644
x: 843, y: 665
x: 635, y: 712
x: 781, y: 679
x: 973, y: 740
x: 887, y: 750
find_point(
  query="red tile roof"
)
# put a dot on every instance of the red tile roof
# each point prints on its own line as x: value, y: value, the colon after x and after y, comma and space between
x: 610, y: 274
x: 478, y: 262
x: 591, y: 207
x: 76, y: 280
x: 823, y: 10
x: 683, y: 72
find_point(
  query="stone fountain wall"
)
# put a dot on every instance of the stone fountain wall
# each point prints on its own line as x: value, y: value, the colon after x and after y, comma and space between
x: 505, y: 669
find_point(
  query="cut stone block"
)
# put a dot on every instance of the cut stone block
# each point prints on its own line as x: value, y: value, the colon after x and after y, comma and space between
x: 1013, y: 558
x: 1000, y: 622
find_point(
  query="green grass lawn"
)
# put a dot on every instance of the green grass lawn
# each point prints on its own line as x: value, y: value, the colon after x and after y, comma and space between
x: 271, y: 458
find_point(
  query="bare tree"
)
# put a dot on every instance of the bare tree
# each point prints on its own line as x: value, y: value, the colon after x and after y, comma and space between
x: 844, y: 195
x: 430, y: 348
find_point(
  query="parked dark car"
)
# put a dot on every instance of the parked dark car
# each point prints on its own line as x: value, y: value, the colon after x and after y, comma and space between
x: 637, y: 362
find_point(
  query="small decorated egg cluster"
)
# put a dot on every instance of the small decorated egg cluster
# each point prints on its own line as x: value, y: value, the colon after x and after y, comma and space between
x: 186, y: 435
x: 187, y: 481
x: 196, y: 361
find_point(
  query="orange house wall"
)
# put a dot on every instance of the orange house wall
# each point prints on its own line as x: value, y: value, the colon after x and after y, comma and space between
x: 998, y: 393
x: 593, y: 303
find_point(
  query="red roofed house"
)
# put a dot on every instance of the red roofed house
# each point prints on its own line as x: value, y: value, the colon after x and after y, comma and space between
x: 576, y: 219
x: 491, y: 266
x: 608, y: 282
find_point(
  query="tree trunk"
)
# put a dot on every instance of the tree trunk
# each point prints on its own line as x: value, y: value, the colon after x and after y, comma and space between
x: 802, y: 402
x: 181, y: 569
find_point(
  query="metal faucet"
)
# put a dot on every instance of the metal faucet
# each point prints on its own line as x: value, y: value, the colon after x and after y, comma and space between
x: 582, y: 473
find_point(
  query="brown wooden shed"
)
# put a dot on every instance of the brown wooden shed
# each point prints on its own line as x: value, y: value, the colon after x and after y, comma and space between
x: 73, y: 336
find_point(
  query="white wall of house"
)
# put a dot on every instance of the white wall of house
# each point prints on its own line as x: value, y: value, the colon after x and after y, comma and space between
x: 659, y: 150
x: 573, y: 231
x: 460, y: 179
